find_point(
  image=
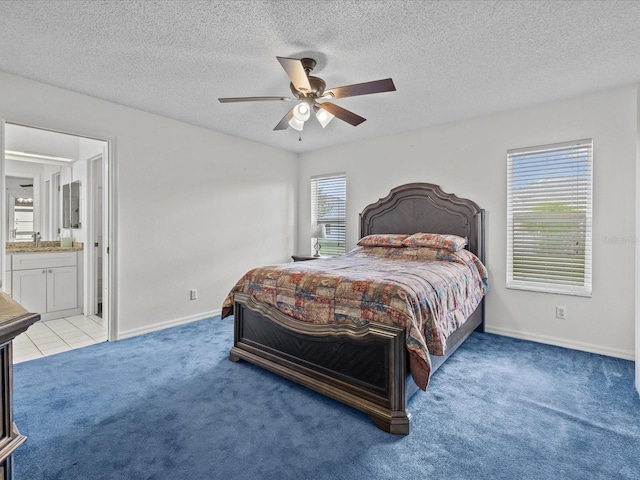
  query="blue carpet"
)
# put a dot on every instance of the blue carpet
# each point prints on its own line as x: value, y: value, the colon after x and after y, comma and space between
x: 170, y: 405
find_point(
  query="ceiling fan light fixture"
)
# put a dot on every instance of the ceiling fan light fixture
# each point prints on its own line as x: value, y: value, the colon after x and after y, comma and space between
x: 302, y: 112
x: 323, y: 116
x: 296, y: 124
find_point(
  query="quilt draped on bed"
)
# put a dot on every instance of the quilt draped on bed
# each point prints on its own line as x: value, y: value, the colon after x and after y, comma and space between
x: 428, y: 292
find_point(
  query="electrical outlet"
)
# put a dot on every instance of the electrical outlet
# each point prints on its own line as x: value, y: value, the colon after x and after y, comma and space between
x: 194, y: 293
x: 561, y: 313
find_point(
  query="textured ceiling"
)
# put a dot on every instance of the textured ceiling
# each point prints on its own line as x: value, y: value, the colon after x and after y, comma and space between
x: 450, y: 60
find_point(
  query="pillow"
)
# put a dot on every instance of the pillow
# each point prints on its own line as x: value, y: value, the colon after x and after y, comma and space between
x: 383, y: 240
x: 383, y: 252
x: 453, y: 243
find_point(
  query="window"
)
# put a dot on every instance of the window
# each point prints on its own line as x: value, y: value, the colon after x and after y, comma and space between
x: 23, y: 220
x: 329, y: 207
x: 549, y: 218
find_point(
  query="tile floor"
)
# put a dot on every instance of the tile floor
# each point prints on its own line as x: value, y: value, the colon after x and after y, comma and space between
x: 49, y: 337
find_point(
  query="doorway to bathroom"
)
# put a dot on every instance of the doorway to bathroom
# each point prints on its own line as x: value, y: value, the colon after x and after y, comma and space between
x: 59, y: 197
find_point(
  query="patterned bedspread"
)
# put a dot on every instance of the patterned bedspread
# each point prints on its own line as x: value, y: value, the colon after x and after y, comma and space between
x: 429, y: 292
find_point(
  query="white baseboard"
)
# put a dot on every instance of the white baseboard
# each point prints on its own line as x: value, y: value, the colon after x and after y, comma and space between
x: 61, y: 314
x: 168, y: 324
x: 561, y: 342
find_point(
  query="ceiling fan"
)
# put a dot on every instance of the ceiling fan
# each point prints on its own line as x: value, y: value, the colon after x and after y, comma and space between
x: 312, y: 96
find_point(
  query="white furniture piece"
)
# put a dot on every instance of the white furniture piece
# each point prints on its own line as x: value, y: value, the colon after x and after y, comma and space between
x: 46, y: 283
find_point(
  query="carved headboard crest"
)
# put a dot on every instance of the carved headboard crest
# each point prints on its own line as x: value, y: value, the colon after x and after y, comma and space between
x: 424, y: 207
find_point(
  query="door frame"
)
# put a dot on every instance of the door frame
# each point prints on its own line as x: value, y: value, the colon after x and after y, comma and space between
x: 109, y: 218
x: 92, y: 264
x: 4, y: 234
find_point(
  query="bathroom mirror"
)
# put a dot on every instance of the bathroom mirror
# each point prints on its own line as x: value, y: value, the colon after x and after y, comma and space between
x: 20, y: 208
x: 33, y: 200
x: 37, y: 163
x: 71, y: 205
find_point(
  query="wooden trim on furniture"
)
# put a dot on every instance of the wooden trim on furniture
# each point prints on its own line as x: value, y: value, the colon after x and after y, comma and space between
x: 14, y: 320
x: 366, y: 367
x: 312, y: 355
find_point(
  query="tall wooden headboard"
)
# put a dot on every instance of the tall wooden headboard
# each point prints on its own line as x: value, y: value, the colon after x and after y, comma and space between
x: 424, y: 207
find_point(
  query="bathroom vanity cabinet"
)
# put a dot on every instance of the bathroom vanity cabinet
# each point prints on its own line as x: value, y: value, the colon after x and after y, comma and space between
x: 47, y: 283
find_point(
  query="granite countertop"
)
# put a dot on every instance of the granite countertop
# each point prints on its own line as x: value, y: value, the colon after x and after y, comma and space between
x: 45, y: 246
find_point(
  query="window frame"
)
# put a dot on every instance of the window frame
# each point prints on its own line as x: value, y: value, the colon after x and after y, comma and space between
x: 574, y: 193
x: 338, y: 222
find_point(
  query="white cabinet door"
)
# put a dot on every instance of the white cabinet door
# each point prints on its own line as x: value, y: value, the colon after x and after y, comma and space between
x: 30, y: 289
x: 62, y: 288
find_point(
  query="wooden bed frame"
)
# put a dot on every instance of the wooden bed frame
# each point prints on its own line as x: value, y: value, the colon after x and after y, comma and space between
x: 366, y: 367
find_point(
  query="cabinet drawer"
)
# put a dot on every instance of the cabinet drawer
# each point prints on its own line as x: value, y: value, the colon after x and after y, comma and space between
x: 28, y: 261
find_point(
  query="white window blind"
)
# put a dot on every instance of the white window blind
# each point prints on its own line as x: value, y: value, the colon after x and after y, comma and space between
x: 329, y: 207
x: 549, y: 205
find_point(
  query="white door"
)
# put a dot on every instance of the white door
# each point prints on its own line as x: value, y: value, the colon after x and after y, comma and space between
x: 98, y: 194
x: 97, y: 298
x: 11, y: 218
x: 45, y: 216
x: 54, y: 231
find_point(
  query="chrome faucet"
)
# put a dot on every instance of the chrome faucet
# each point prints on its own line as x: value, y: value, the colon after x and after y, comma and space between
x: 36, y: 239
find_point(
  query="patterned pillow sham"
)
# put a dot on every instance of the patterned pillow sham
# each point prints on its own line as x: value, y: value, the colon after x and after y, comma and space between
x: 383, y: 240
x: 419, y: 254
x: 453, y: 243
x: 384, y: 252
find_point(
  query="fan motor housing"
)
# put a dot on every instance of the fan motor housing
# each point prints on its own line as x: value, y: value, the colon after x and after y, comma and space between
x: 317, y: 88
x: 317, y: 84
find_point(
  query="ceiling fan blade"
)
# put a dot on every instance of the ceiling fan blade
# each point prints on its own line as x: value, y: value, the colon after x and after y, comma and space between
x: 296, y: 73
x: 251, y: 99
x: 342, y: 114
x: 284, y: 123
x: 377, y: 86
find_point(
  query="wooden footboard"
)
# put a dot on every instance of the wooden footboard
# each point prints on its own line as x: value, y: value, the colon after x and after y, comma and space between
x: 365, y: 367
x: 362, y: 366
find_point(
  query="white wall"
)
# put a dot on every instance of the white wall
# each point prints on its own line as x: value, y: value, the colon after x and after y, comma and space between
x: 40, y: 141
x: 469, y: 159
x: 195, y: 208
